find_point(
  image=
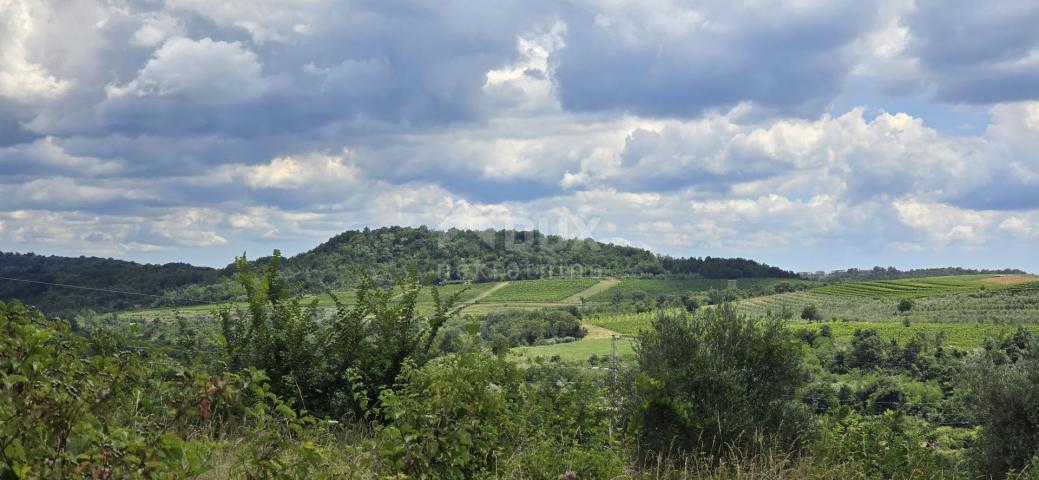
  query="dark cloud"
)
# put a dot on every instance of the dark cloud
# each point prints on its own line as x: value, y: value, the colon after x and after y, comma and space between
x: 977, y: 52
x: 653, y: 60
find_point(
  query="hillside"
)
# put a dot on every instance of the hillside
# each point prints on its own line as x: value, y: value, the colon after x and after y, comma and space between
x: 489, y: 255
x: 443, y: 256
x: 107, y: 275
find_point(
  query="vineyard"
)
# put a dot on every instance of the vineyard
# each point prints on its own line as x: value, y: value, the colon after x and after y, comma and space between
x: 654, y: 287
x: 831, y: 307
x: 548, y: 290
x: 914, y: 288
x: 629, y: 323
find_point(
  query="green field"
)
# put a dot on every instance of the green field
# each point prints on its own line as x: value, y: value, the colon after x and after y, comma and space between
x: 547, y: 290
x: 654, y: 287
x: 628, y: 323
x: 911, y: 288
x: 962, y: 335
x: 966, y: 299
x: 830, y: 306
x: 579, y: 351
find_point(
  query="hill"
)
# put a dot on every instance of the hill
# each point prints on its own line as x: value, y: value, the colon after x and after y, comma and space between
x: 450, y: 256
x: 493, y: 255
x: 42, y: 279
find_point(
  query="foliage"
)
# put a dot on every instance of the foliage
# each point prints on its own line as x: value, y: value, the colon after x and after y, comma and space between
x: 70, y: 411
x: 714, y: 380
x: 512, y: 328
x: 892, y: 445
x: 811, y: 313
x: 905, y: 305
x: 1007, y: 404
x: 101, y: 274
x: 340, y: 364
x: 472, y: 414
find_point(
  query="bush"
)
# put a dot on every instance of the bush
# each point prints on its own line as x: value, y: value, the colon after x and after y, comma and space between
x: 1007, y: 407
x: 905, y: 305
x: 336, y: 366
x: 473, y: 414
x: 811, y: 314
x: 449, y: 419
x: 514, y: 328
x: 892, y: 445
x: 716, y: 380
x: 131, y: 413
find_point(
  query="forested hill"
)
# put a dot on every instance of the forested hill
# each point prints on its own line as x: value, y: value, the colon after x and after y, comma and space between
x: 446, y: 256
x: 104, y: 274
x: 461, y: 255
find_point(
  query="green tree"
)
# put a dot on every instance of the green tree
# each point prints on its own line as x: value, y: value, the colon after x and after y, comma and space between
x: 340, y: 364
x: 716, y: 380
x: 905, y: 305
x: 811, y: 314
x: 1006, y: 402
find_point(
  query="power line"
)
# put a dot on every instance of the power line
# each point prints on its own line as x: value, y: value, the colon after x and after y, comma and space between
x: 122, y: 292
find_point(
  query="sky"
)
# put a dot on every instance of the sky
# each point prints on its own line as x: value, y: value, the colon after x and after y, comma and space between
x: 809, y: 134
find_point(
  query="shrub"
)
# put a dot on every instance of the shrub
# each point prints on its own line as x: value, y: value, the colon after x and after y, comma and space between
x: 339, y: 365
x: 448, y: 419
x: 715, y: 380
x: 892, y: 445
x: 811, y: 314
x: 131, y: 413
x: 1007, y: 407
x: 905, y: 305
x: 473, y: 414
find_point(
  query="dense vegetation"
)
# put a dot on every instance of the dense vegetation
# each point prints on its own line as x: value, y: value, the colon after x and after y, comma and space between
x: 100, y: 274
x: 277, y: 387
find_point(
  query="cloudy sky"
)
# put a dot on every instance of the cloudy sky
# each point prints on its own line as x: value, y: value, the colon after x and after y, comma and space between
x: 812, y: 134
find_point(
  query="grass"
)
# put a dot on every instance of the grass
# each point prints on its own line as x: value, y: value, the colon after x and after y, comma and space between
x: 578, y: 351
x: 628, y: 323
x: 546, y: 290
x: 962, y: 335
x: 654, y: 287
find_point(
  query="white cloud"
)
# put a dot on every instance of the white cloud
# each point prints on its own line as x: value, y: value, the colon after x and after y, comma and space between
x: 205, y: 70
x: 21, y: 79
x: 156, y: 28
x: 304, y: 171
x: 944, y: 224
x: 528, y: 83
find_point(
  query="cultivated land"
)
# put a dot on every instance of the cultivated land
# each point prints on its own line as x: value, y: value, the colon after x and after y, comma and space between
x: 964, y: 310
x: 654, y: 287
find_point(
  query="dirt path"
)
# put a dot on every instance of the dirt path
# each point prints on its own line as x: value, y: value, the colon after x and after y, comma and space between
x: 489, y: 291
x: 594, y: 289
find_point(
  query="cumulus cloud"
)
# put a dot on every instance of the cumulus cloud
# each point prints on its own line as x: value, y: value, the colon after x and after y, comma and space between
x: 170, y: 128
x: 203, y: 70
x: 21, y: 79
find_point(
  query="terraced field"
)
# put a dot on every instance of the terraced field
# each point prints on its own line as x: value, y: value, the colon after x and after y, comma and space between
x: 654, y: 287
x: 855, y: 308
x: 938, y: 299
x: 912, y: 288
x: 548, y: 290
